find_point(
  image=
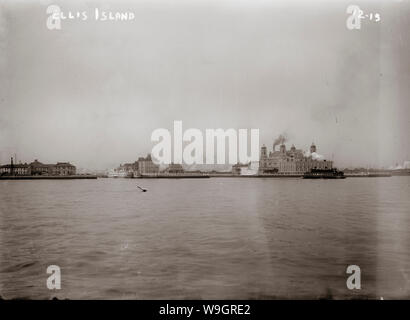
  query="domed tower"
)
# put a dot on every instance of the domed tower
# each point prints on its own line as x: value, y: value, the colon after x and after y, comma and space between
x: 312, y: 148
x: 293, y: 148
x: 263, y: 152
x: 282, y: 148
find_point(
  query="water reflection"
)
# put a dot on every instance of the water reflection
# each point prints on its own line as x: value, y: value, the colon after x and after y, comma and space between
x: 210, y: 239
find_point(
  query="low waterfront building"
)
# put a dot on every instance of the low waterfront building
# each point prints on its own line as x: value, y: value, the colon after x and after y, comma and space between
x: 58, y: 169
x: 119, y: 173
x: 147, y: 166
x: 63, y: 169
x: 126, y: 170
x: 237, y: 168
x: 15, y: 169
x: 174, y: 168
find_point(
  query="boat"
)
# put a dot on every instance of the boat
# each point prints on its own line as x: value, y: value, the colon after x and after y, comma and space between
x: 324, y: 174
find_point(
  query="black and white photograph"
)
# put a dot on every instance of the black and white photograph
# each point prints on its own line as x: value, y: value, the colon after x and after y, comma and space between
x: 204, y: 150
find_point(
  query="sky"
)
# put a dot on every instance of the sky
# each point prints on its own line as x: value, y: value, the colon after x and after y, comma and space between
x: 93, y: 92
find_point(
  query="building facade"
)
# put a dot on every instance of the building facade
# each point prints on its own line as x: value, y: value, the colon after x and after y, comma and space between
x: 63, y: 169
x: 40, y: 169
x: 137, y: 168
x: 147, y: 166
x: 126, y: 170
x: 36, y: 168
x: 290, y: 162
x: 15, y: 169
x: 174, y: 168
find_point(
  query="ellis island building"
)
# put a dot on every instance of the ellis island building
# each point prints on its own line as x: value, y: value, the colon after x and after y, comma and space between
x: 290, y: 162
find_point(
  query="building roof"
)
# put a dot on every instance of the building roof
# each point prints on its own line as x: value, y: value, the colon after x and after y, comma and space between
x: 147, y: 158
x: 20, y: 165
x: 65, y: 164
x: 37, y: 163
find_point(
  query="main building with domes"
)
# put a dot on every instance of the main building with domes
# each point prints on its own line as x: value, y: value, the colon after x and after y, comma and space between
x: 290, y: 162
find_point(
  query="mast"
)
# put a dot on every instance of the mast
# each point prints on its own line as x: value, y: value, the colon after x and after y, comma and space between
x: 11, y: 166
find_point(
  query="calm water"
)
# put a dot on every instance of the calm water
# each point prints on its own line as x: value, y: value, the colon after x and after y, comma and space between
x: 206, y: 238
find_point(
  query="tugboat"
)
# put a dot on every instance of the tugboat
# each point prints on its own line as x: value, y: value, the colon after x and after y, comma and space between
x: 324, y: 174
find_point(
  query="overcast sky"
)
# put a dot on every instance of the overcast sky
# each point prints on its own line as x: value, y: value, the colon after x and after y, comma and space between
x: 93, y: 92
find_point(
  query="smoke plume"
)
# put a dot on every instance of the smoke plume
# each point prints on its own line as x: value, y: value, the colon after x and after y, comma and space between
x: 314, y: 155
x: 279, y: 140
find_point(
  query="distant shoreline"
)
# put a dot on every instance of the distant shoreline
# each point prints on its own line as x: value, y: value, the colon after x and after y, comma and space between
x: 48, y: 177
x: 76, y: 177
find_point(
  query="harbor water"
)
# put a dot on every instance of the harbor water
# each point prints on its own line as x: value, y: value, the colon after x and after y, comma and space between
x: 217, y: 238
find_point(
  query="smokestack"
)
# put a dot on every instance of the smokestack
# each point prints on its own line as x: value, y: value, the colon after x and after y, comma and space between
x: 282, y: 148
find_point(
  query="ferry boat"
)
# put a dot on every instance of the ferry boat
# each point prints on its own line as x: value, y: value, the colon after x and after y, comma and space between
x: 324, y: 174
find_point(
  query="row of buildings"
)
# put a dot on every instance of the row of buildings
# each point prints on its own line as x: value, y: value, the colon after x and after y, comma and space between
x: 37, y: 168
x: 146, y: 167
x: 293, y: 162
